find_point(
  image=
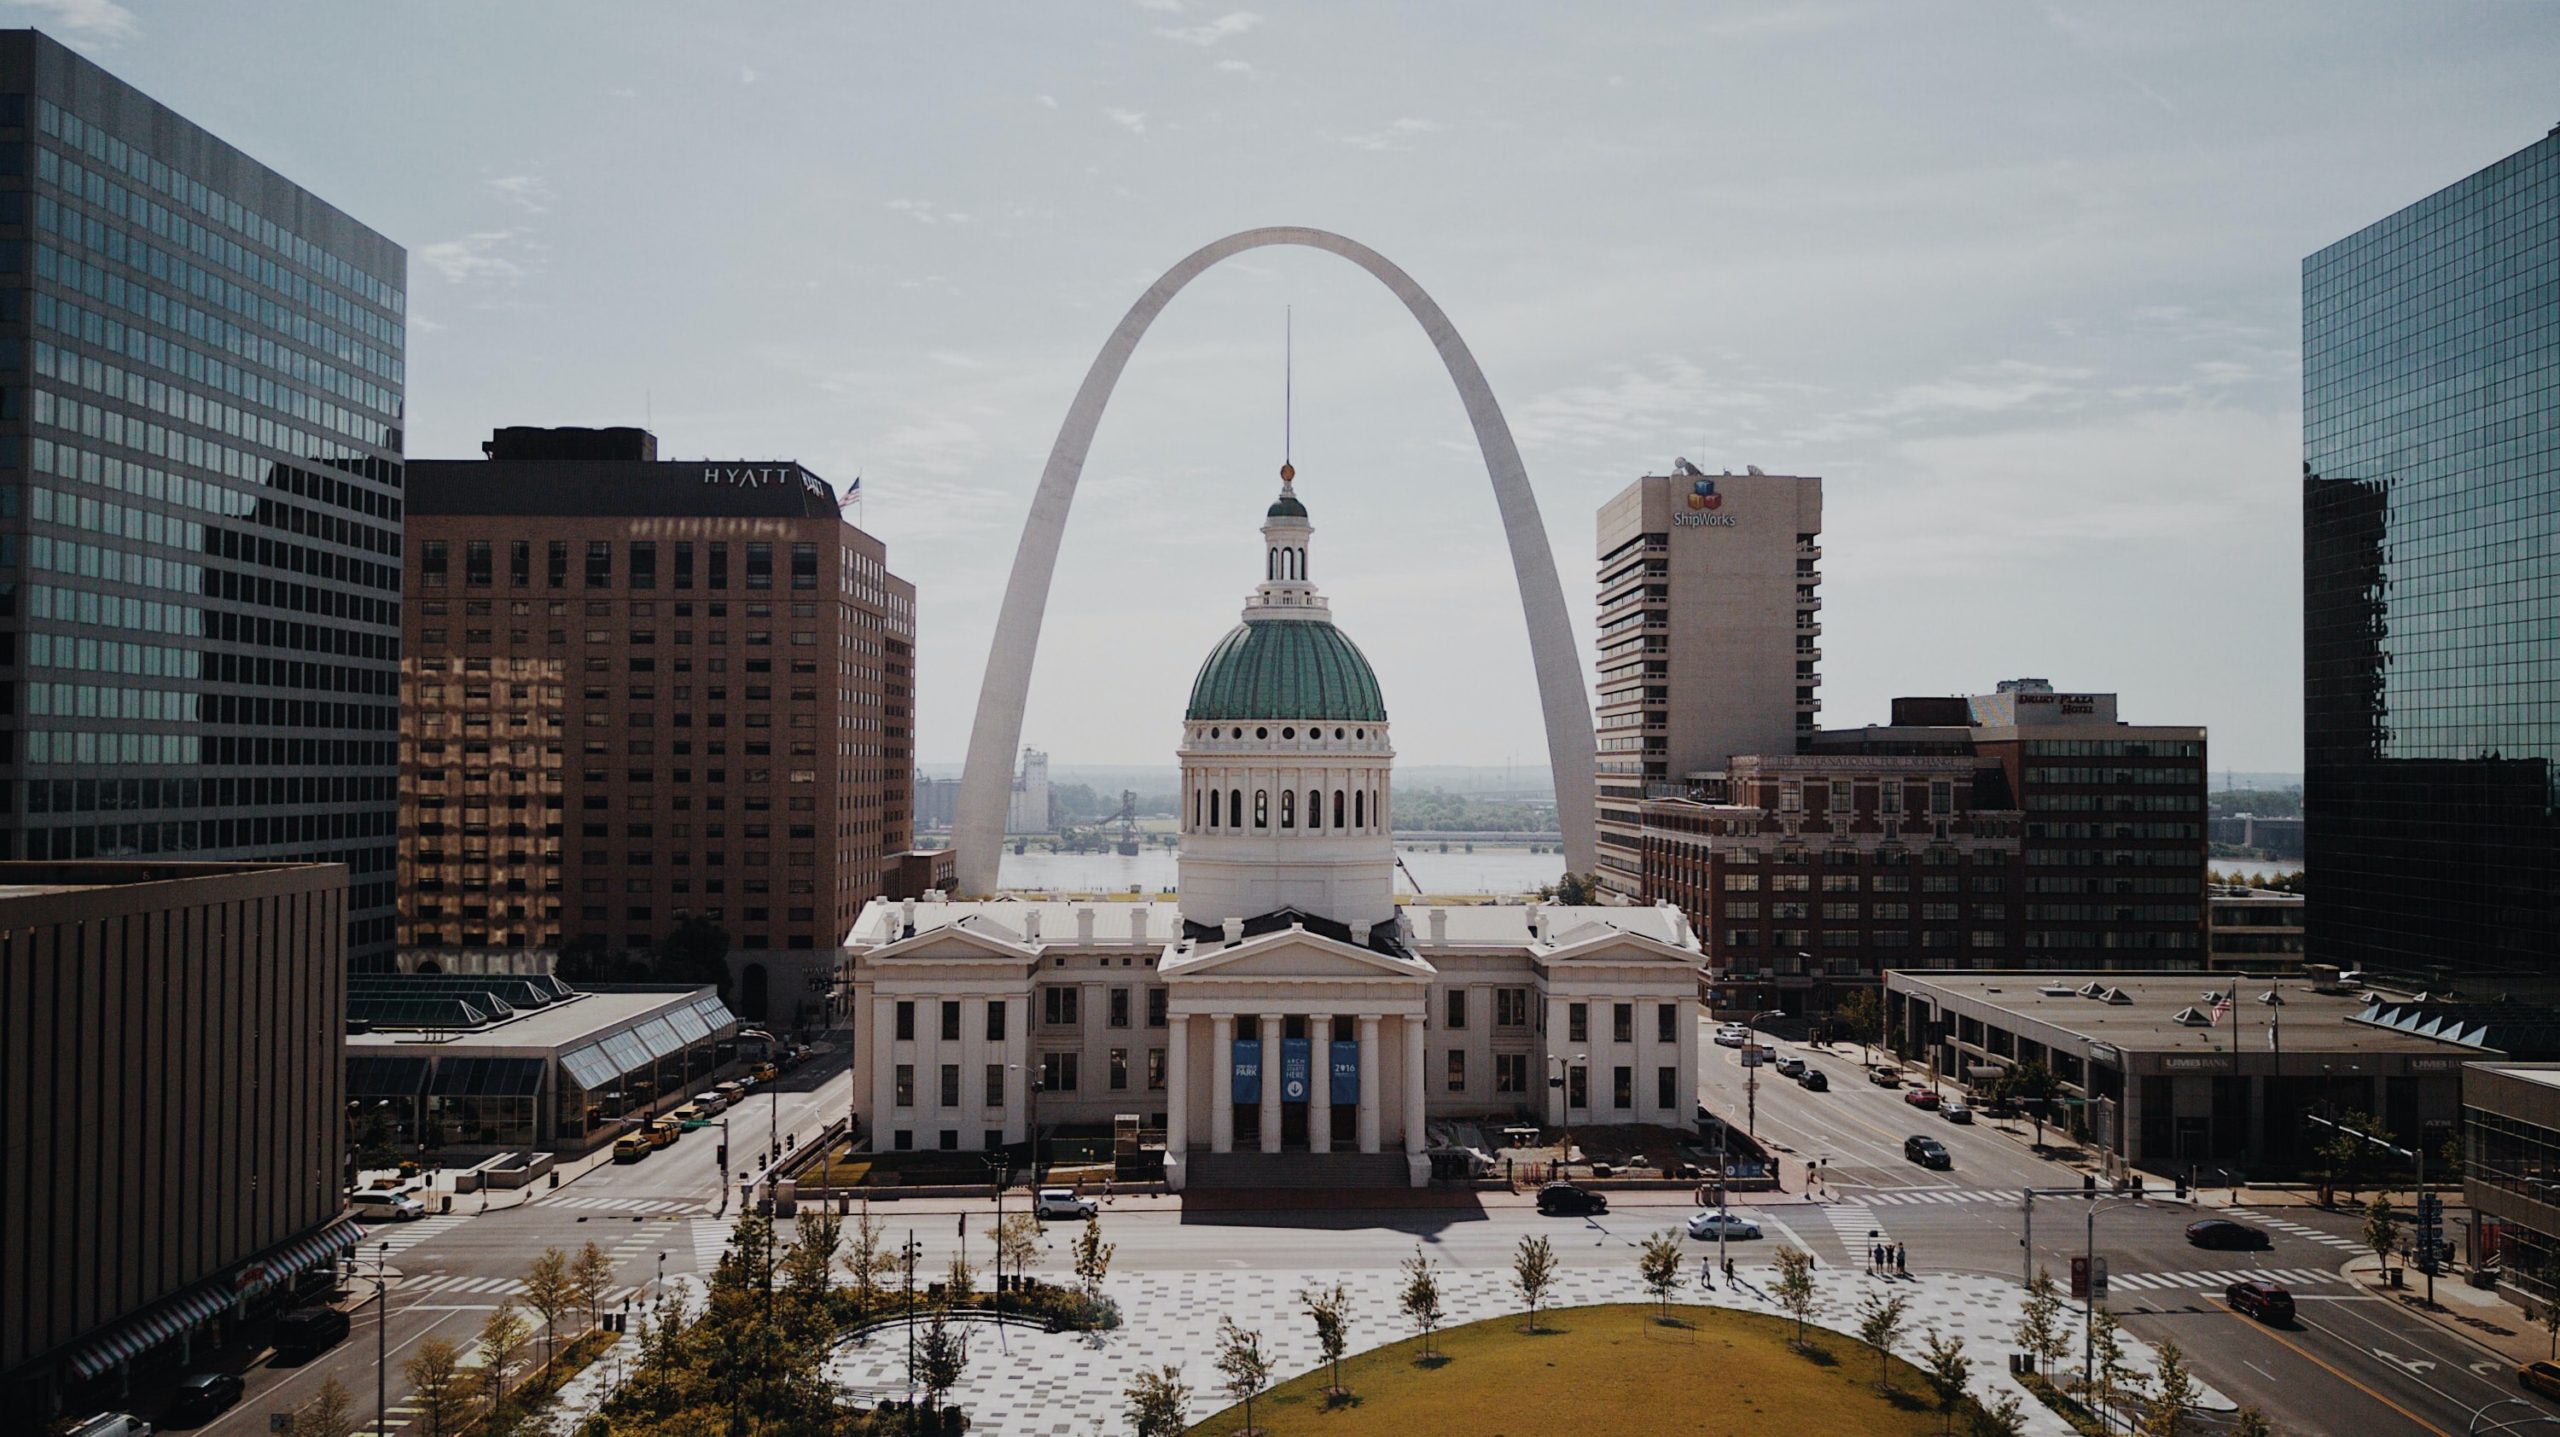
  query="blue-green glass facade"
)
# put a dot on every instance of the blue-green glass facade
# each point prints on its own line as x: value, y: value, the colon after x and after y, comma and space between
x: 201, y: 381
x: 2431, y: 549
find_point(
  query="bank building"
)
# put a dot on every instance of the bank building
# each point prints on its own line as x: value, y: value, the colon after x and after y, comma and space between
x: 1284, y: 1017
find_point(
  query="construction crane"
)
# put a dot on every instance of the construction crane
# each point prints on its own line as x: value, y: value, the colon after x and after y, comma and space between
x: 1128, y: 845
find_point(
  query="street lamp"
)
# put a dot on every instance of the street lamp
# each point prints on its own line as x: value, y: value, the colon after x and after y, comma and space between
x: 1751, y: 1072
x: 381, y: 1342
x: 1033, y: 1081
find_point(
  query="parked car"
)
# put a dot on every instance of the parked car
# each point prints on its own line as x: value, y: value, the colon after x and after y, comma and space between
x: 1791, y: 1066
x: 1061, y: 1203
x: 712, y: 1103
x: 2542, y: 1377
x: 664, y: 1132
x: 1928, y: 1152
x: 1954, y: 1111
x: 631, y: 1148
x: 1707, y: 1224
x: 307, y: 1330
x: 203, y: 1396
x: 1732, y: 1035
x: 729, y: 1092
x: 2265, y: 1301
x: 112, y: 1424
x: 377, y: 1206
x: 1921, y: 1097
x: 1812, y: 1080
x: 1566, y: 1200
x: 767, y: 1072
x: 1884, y: 1075
x: 2222, y: 1232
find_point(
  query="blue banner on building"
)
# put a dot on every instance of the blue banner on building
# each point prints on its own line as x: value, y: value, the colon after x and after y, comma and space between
x: 1248, y: 1072
x: 1346, y: 1075
x: 1296, y: 1063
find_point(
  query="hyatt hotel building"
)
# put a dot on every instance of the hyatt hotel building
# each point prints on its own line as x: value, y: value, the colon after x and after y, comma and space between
x: 641, y: 692
x: 200, y: 501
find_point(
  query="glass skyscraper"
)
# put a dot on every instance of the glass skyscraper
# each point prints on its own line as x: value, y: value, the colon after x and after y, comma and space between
x: 2431, y: 566
x: 200, y: 496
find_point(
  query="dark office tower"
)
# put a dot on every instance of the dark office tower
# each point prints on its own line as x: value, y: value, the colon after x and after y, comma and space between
x: 2431, y: 585
x: 200, y: 401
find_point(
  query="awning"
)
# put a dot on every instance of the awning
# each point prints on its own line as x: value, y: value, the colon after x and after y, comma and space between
x: 274, y: 1269
x: 149, y: 1328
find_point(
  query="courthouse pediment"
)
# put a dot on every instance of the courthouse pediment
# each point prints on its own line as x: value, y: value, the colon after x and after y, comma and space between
x: 1294, y: 954
x: 974, y: 937
x: 1602, y: 943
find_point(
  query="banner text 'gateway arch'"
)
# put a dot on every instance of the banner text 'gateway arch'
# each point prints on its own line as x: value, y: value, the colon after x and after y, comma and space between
x: 986, y: 783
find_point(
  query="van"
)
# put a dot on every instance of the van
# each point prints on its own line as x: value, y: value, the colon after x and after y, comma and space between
x: 308, y: 1330
x: 374, y: 1205
x: 729, y: 1093
x: 112, y: 1424
x: 631, y: 1148
x: 664, y: 1132
x: 712, y: 1103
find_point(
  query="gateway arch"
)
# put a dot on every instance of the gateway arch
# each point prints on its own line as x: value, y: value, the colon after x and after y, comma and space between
x: 986, y: 784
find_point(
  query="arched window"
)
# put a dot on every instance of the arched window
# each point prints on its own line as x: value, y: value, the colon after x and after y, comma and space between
x: 1271, y: 565
x: 1261, y: 808
x: 1288, y: 808
x: 1302, y: 561
x: 1315, y: 808
x: 1337, y: 808
x: 1195, y: 808
x: 1213, y: 808
x: 1360, y: 809
x: 1235, y: 808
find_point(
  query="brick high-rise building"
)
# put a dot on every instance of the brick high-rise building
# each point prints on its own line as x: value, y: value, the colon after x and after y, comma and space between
x: 638, y: 692
x: 2019, y: 828
x: 200, y: 452
x: 1710, y: 617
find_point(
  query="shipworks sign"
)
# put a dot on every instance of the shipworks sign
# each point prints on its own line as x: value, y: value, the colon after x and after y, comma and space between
x: 1703, y: 509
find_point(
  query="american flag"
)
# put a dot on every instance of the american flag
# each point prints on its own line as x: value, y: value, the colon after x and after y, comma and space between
x: 2221, y: 1006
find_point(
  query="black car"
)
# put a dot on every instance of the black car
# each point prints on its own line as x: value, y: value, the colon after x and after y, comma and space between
x: 1566, y: 1200
x: 2221, y: 1232
x: 2265, y: 1301
x: 1927, y: 1152
x: 1812, y: 1081
x: 308, y: 1330
x: 203, y: 1397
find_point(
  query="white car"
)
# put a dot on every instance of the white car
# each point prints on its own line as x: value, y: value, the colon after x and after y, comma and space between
x: 1061, y: 1203
x: 1707, y: 1224
x: 1732, y: 1035
x: 378, y: 1206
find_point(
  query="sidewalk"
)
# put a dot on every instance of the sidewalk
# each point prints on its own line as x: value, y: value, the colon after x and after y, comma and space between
x: 2488, y: 1320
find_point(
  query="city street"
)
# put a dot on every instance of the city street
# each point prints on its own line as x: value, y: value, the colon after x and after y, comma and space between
x: 2350, y: 1363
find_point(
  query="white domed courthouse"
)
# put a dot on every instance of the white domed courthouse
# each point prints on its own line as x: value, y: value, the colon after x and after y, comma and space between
x: 1284, y: 1017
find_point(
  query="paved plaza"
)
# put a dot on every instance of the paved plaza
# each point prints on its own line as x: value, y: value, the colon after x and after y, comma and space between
x: 1024, y: 1383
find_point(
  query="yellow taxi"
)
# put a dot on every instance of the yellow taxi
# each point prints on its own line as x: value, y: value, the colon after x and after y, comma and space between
x: 2542, y: 1377
x: 631, y: 1149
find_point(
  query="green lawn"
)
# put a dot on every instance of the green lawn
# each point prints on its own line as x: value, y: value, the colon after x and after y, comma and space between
x: 1598, y: 1372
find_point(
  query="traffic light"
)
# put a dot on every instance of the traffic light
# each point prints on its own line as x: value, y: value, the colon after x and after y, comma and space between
x: 724, y: 1157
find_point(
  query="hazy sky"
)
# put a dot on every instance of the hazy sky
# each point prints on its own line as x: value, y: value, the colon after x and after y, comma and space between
x: 2020, y: 281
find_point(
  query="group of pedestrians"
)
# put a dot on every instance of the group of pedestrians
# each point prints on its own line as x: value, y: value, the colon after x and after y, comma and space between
x: 1707, y: 1273
x: 1890, y: 1258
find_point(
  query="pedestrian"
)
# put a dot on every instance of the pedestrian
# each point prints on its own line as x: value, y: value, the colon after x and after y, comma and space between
x: 1728, y: 1272
x: 1706, y: 1273
x: 1808, y: 1177
x: 1106, y: 1188
x: 1901, y: 1256
x: 1875, y: 1256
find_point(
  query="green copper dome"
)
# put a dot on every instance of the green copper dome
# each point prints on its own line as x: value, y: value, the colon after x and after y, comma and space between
x: 1287, y: 669
x: 1286, y: 507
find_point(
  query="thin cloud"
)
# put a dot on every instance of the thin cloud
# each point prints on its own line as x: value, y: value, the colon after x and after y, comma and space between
x: 1235, y: 67
x: 1225, y: 27
x: 474, y: 258
x: 1134, y: 121
x: 1047, y: 102
x: 525, y: 192
x: 96, y: 22
x: 1984, y: 389
x: 1397, y: 135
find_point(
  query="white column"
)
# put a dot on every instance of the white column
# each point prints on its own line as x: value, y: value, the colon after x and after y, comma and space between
x: 1320, y: 1082
x: 1177, y: 1083
x: 1368, y: 1082
x: 1687, y: 1029
x: 1222, y: 1085
x: 1559, y: 1053
x: 884, y: 1092
x: 1413, y: 1083
x: 1271, y: 1076
x: 1018, y: 1072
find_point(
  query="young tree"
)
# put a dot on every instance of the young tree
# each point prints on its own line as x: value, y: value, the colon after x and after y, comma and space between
x: 942, y: 1355
x: 1949, y: 1374
x: 2381, y: 1231
x: 866, y: 1259
x: 377, y: 1142
x: 2033, y: 1087
x: 1244, y: 1365
x: 2250, y: 1422
x: 2173, y: 1391
x: 502, y: 1338
x: 2106, y: 1350
x: 330, y: 1414
x: 1093, y: 1258
x: 1533, y: 1271
x: 552, y: 1294
x: 808, y: 1264
x: 961, y: 1282
x: 1018, y: 1242
x: 1659, y: 1262
x: 1861, y: 1016
x: 592, y: 1272
x: 1880, y: 1327
x: 2039, y: 1328
x: 1793, y: 1287
x: 434, y: 1375
x: 1159, y: 1403
x: 1421, y: 1298
x: 2551, y: 1324
x: 1330, y: 1310
x: 2004, y: 1418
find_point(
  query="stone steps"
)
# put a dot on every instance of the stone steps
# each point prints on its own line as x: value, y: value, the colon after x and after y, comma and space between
x: 1295, y: 1170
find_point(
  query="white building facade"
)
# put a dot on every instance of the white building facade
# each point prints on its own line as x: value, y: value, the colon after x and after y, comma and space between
x: 1285, y: 1004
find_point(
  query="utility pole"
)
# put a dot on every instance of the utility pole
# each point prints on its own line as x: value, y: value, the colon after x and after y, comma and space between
x: 909, y: 1255
x: 381, y: 1342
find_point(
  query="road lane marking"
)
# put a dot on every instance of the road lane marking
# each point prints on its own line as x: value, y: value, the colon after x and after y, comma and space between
x: 2308, y: 1356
